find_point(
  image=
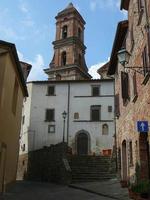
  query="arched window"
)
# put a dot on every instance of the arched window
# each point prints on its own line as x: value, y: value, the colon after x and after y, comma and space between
x: 63, y: 58
x: 64, y: 32
x: 80, y: 60
x: 105, y: 129
x: 79, y: 33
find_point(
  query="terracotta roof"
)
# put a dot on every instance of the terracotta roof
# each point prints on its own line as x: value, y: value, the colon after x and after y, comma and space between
x: 125, y: 4
x: 11, y: 48
x: 121, y: 32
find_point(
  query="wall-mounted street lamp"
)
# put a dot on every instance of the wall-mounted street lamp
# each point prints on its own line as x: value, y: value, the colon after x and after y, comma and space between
x: 64, y: 115
x: 123, y: 57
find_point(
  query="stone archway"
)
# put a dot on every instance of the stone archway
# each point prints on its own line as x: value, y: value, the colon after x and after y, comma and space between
x: 82, y: 143
x: 124, y: 161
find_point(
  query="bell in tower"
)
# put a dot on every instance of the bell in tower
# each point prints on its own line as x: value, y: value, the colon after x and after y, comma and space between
x: 68, y: 62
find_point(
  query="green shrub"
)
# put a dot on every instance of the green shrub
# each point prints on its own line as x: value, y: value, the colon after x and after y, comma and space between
x: 142, y: 186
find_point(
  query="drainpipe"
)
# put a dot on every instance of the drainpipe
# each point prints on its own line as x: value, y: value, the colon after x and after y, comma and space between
x: 68, y: 112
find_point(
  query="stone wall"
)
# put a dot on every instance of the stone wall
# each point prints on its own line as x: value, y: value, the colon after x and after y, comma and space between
x: 49, y: 164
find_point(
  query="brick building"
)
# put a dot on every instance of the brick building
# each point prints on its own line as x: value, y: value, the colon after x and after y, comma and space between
x: 132, y: 89
x: 68, y: 62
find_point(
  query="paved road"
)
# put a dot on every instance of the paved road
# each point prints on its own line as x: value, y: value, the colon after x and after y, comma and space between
x: 43, y: 191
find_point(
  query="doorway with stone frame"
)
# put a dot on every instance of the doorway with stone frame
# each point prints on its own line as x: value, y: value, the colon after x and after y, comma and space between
x: 144, y: 156
x: 82, y: 143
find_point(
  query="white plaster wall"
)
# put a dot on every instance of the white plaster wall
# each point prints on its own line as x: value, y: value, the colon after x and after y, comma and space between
x: 38, y: 102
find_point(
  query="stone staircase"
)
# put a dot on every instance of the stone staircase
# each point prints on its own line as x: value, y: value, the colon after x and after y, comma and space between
x: 91, y: 168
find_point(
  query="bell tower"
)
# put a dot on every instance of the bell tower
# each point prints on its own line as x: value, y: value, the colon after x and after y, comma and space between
x: 68, y: 62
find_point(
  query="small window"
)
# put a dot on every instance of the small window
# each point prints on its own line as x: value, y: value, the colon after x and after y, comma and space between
x: 63, y: 58
x: 125, y: 86
x: 51, y: 90
x: 105, y: 129
x: 50, y: 115
x: 95, y: 113
x: 79, y: 33
x: 76, y: 115
x: 109, y: 108
x: 23, y: 147
x: 64, y: 32
x: 51, y: 128
x: 145, y: 61
x: 95, y: 90
x: 15, y: 96
x: 23, y: 119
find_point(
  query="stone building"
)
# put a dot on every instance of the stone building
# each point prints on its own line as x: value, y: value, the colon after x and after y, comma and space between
x: 132, y: 90
x: 12, y: 91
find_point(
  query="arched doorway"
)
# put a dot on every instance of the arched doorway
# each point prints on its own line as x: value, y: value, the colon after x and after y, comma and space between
x: 124, y: 161
x: 82, y: 143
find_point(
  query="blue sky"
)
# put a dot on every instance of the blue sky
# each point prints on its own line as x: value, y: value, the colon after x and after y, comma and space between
x: 30, y: 24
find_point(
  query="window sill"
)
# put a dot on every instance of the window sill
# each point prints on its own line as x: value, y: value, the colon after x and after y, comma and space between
x: 50, y: 94
x: 146, y: 78
x: 49, y: 121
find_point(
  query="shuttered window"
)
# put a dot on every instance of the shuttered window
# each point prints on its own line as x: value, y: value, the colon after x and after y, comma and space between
x: 125, y: 86
x: 95, y: 113
x: 50, y: 115
x: 95, y: 91
x: 134, y: 85
x: 145, y: 60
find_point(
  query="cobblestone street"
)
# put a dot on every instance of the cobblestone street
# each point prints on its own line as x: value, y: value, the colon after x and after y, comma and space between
x: 45, y: 191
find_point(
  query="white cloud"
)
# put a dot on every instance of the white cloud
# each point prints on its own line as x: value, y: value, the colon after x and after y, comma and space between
x: 93, y: 70
x: 37, y: 72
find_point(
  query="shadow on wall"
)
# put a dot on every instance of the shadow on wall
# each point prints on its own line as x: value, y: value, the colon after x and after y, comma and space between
x: 49, y: 164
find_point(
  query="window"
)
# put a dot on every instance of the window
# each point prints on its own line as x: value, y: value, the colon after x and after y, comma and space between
x: 105, y: 129
x: 50, y: 115
x: 132, y: 39
x: 95, y: 113
x: 63, y: 58
x: 130, y: 153
x: 145, y: 61
x: 79, y: 33
x: 117, y: 105
x: 76, y: 115
x: 51, y: 128
x: 140, y: 10
x: 23, y: 119
x: 51, y: 90
x: 95, y: 90
x: 109, y: 108
x: 64, y: 32
x: 15, y: 96
x: 23, y: 147
x: 135, y: 94
x: 125, y: 86
x: 80, y: 60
